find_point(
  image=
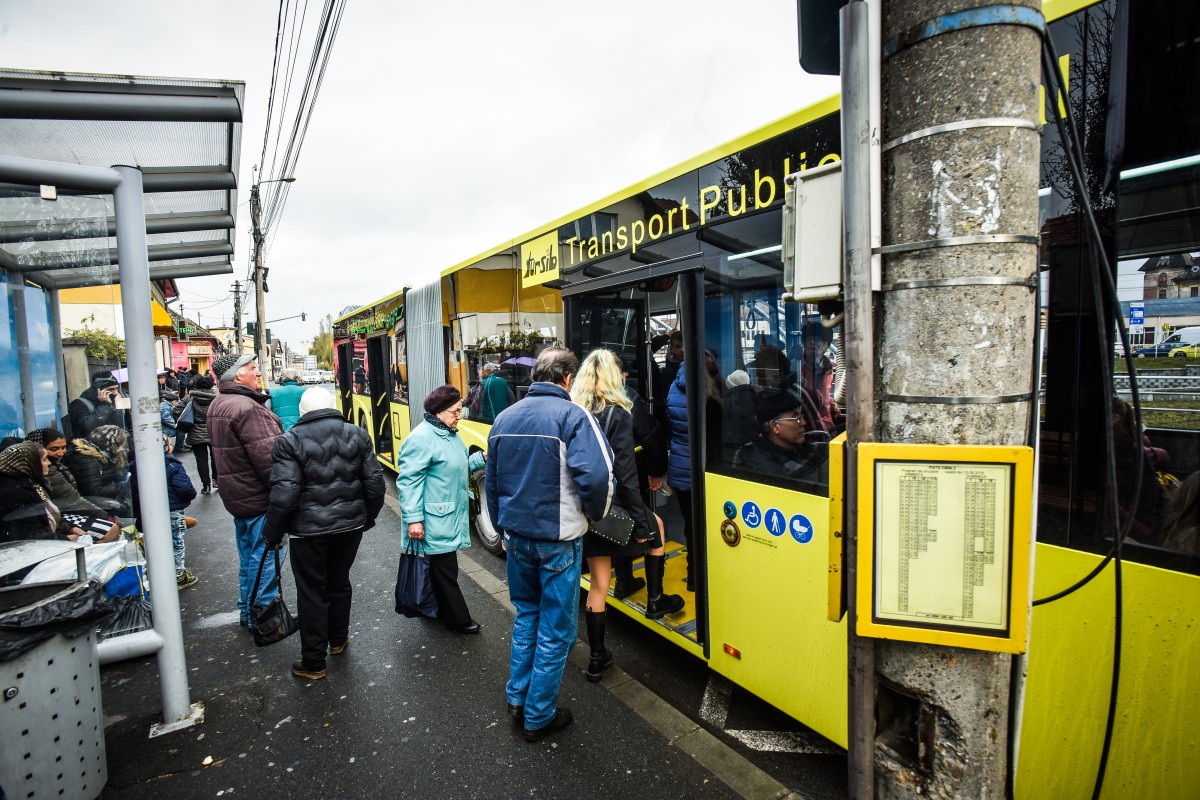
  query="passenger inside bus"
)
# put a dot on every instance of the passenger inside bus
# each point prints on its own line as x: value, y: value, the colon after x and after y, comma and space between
x: 782, y: 446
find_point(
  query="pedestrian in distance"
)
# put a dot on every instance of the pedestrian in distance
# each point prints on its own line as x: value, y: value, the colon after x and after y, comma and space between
x: 326, y: 491
x: 494, y: 393
x: 202, y: 395
x: 549, y: 469
x: 434, y: 475
x: 600, y: 389
x: 285, y: 400
x: 243, y: 432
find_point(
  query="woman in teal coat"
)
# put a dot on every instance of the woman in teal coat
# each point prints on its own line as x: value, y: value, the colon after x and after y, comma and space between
x: 285, y: 400
x: 435, y: 502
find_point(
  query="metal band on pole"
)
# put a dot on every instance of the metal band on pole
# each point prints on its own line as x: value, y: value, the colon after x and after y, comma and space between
x: 941, y: 283
x: 964, y: 125
x: 958, y: 401
x: 955, y: 241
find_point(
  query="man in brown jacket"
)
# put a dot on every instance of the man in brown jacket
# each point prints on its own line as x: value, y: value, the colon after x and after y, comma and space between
x: 243, y: 431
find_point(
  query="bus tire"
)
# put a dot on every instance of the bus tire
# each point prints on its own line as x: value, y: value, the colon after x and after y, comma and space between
x: 489, y: 537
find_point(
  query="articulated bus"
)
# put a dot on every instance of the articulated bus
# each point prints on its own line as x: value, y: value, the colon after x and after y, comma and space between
x: 697, y: 249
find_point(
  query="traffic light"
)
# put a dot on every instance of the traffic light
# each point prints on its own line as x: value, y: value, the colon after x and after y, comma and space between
x: 303, y: 316
x: 820, y: 35
x: 251, y: 329
x: 268, y: 335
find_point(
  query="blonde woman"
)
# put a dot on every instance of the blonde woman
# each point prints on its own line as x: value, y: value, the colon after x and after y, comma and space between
x: 599, y: 387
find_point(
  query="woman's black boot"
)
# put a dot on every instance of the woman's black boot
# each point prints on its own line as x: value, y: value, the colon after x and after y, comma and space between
x: 658, y: 605
x: 601, y: 658
x: 626, y: 583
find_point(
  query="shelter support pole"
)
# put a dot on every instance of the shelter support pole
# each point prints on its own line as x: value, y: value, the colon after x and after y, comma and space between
x: 860, y: 378
x: 148, y: 444
x: 56, y: 346
x: 24, y: 366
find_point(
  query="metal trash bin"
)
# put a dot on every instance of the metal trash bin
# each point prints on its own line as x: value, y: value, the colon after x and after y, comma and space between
x: 51, y: 717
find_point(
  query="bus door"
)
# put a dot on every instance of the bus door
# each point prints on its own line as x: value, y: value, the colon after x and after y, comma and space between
x: 378, y: 380
x: 344, y: 376
x: 635, y: 318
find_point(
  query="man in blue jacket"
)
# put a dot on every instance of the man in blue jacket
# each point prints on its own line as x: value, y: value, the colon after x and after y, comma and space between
x: 549, y: 469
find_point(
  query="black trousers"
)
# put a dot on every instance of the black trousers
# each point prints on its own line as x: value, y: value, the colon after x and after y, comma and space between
x: 321, y: 565
x: 685, y: 507
x: 204, y: 458
x: 443, y: 573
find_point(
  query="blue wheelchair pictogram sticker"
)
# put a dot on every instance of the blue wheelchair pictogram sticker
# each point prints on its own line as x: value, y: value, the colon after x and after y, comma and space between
x: 775, y: 522
x: 801, y: 529
x: 751, y: 514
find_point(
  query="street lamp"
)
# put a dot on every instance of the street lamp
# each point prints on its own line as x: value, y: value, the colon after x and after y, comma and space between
x: 260, y: 274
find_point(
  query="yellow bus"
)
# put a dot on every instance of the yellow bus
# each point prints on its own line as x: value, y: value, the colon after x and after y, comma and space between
x: 697, y: 249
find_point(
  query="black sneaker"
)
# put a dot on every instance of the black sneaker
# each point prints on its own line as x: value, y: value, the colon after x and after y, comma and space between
x: 562, y: 719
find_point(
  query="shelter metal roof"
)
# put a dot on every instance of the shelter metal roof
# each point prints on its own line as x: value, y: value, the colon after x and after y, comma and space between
x: 183, y: 134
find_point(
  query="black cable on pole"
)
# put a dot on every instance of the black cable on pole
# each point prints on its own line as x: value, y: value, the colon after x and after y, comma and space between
x: 274, y: 77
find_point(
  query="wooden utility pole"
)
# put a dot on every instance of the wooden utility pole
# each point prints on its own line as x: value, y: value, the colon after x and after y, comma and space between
x: 237, y: 318
x: 956, y: 321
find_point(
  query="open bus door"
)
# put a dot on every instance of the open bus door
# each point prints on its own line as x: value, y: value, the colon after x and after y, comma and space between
x: 345, y: 379
x: 379, y: 391
x: 618, y: 316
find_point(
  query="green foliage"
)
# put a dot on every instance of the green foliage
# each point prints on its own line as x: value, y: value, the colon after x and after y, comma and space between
x: 322, y: 346
x: 100, y: 344
x: 509, y: 342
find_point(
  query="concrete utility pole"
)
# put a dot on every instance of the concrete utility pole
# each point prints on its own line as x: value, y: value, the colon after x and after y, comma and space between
x: 237, y: 317
x: 260, y: 301
x: 955, y: 335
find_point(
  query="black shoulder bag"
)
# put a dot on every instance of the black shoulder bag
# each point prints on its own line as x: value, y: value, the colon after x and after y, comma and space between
x: 617, y: 525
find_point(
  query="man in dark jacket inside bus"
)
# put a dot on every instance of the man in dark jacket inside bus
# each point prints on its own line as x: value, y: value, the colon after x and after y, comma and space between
x: 326, y: 491
x: 243, y: 432
x: 549, y: 469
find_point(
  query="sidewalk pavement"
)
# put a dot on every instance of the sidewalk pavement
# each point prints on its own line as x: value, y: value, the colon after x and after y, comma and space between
x: 409, y: 710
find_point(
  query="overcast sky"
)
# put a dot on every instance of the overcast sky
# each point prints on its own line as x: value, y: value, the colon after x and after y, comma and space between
x: 442, y: 128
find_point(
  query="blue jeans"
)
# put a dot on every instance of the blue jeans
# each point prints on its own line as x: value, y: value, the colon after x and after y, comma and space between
x: 178, y: 530
x: 543, y: 583
x: 248, y: 532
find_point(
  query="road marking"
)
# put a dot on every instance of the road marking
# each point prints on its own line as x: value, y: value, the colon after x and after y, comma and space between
x: 714, y: 710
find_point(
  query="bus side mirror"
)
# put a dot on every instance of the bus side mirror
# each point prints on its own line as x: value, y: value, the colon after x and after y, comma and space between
x: 812, y: 235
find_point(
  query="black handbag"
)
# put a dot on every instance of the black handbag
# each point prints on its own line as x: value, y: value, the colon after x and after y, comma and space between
x: 414, y: 588
x: 273, y: 622
x: 616, y: 527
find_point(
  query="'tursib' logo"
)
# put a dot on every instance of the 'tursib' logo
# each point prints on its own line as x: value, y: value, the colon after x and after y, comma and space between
x: 538, y: 266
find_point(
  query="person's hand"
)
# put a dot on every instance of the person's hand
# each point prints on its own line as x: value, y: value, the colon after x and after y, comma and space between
x: 656, y: 483
x: 272, y: 542
x: 416, y: 530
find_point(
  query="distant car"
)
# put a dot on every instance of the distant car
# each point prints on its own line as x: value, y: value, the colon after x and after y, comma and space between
x: 1187, y: 351
x: 310, y: 376
x: 326, y: 375
x: 1159, y: 350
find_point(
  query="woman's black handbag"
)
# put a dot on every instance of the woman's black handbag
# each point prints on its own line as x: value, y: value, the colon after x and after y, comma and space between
x: 414, y: 589
x: 273, y: 622
x: 617, y: 527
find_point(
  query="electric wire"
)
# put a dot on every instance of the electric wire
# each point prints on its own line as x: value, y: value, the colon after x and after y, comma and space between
x: 1101, y: 265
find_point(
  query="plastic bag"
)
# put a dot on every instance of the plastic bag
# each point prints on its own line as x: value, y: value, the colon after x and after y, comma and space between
x: 76, y: 609
x: 132, y: 615
x: 414, y: 589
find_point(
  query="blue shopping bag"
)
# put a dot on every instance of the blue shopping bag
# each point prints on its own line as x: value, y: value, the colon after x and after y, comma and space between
x: 414, y: 590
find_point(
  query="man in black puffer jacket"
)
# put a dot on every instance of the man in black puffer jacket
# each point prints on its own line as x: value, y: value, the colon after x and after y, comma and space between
x: 326, y: 490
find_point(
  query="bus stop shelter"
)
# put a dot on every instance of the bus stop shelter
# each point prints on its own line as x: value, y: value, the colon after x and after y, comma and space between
x: 108, y: 179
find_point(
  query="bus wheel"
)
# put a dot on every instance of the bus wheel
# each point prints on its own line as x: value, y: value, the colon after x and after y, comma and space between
x: 489, y: 537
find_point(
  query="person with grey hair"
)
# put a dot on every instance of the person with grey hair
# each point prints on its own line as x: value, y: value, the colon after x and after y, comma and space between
x: 549, y: 469
x: 243, y: 431
x: 494, y: 393
x: 285, y: 400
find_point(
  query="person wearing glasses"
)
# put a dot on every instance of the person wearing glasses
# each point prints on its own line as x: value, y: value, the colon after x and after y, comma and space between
x: 782, y: 446
x: 434, y: 473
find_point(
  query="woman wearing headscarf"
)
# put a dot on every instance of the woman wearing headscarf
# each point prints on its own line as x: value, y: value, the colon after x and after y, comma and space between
x: 434, y: 472
x: 599, y: 387
x: 100, y: 464
x: 64, y: 490
x: 202, y: 394
x: 26, y: 511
